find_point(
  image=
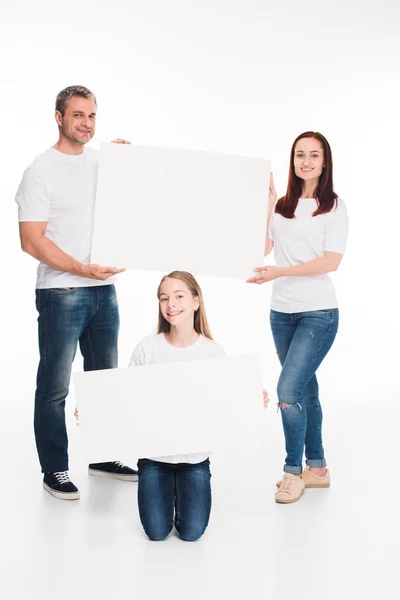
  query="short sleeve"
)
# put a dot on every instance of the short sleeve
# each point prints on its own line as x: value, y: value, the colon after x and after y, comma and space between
x: 217, y: 350
x: 336, y: 229
x: 33, y: 198
x: 137, y: 358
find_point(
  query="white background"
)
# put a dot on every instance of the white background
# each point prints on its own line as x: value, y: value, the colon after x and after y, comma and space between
x: 236, y: 76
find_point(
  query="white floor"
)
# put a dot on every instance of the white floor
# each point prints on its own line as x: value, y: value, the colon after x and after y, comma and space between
x: 336, y: 543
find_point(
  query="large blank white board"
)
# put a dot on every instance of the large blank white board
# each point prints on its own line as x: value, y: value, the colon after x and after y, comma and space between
x: 165, y: 209
x: 174, y: 408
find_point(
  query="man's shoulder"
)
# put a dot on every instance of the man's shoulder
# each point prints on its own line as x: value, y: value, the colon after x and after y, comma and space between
x: 40, y: 161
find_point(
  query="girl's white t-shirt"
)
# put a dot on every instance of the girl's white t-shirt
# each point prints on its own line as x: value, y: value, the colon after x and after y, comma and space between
x: 300, y: 240
x: 154, y: 350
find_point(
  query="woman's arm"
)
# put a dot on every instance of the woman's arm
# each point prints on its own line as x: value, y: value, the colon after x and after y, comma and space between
x: 327, y: 263
x: 269, y: 244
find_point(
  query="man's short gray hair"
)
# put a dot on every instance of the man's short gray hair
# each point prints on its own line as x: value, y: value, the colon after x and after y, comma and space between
x: 68, y: 92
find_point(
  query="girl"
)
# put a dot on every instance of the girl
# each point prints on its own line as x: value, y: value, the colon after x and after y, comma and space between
x: 179, y: 484
x: 308, y: 231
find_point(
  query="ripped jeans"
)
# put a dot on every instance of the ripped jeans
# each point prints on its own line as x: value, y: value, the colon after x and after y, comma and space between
x: 302, y: 341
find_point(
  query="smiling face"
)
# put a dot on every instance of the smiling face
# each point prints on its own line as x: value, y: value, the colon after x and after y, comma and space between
x: 308, y: 159
x: 177, y: 303
x: 78, y: 124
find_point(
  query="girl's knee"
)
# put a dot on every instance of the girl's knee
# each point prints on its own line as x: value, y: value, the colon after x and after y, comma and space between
x: 157, y: 533
x: 190, y: 532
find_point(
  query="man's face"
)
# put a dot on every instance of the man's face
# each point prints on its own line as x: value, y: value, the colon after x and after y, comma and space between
x: 79, y: 121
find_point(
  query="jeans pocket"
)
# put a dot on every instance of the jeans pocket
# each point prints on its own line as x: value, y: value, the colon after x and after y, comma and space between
x: 66, y: 290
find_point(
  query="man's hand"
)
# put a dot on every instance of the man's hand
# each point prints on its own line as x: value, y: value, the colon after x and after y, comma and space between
x: 99, y: 272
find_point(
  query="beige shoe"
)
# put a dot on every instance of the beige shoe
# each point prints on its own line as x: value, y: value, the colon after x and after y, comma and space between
x: 291, y: 489
x: 311, y: 480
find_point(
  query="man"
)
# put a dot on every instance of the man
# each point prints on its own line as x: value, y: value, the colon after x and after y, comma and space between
x: 76, y: 300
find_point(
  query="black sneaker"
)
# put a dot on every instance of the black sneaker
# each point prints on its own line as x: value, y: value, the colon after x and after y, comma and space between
x: 59, y: 485
x: 116, y: 470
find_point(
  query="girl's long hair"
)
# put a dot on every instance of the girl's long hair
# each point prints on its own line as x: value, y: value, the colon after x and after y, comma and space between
x: 324, y: 194
x: 200, y: 323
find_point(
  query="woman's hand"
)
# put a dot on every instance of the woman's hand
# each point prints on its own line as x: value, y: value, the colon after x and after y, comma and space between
x: 272, y: 194
x: 265, y: 274
x: 76, y: 415
x: 265, y: 398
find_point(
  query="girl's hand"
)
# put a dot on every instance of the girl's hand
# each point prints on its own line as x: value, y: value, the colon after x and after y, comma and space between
x: 76, y: 415
x: 272, y: 193
x: 265, y: 398
x: 264, y: 274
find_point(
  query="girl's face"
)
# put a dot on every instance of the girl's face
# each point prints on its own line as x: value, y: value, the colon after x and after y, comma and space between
x: 308, y: 159
x: 177, y: 304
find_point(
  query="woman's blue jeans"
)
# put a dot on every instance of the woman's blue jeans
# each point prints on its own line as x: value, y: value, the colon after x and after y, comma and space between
x: 165, y: 488
x: 302, y: 341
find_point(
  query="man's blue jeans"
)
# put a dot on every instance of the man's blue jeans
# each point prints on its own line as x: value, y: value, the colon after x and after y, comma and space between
x: 302, y: 341
x: 164, y: 488
x: 68, y: 316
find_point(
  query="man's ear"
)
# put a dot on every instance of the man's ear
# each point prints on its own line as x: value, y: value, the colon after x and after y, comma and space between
x: 58, y: 117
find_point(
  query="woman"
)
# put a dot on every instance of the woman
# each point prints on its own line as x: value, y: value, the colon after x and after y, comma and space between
x: 177, y: 482
x: 308, y: 231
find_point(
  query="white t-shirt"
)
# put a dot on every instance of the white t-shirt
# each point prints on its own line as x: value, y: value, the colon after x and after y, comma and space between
x: 300, y: 240
x: 60, y: 189
x: 154, y: 350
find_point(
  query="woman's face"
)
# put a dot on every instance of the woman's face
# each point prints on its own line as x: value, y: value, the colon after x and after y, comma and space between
x: 308, y: 159
x: 177, y: 304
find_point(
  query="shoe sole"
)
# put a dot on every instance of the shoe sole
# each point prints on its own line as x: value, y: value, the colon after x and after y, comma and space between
x: 113, y: 475
x: 62, y: 495
x: 289, y: 501
x: 310, y: 486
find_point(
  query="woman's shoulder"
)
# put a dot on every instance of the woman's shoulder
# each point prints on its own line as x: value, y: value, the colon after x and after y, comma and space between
x: 339, y: 207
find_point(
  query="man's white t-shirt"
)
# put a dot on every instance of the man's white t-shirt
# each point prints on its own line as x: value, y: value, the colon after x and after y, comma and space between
x: 300, y: 240
x: 154, y: 350
x: 60, y: 189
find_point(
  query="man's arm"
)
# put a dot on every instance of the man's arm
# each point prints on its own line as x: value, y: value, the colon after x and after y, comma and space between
x: 34, y: 242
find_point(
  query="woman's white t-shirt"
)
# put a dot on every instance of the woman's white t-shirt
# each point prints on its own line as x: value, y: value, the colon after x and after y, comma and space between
x: 154, y: 350
x: 300, y: 240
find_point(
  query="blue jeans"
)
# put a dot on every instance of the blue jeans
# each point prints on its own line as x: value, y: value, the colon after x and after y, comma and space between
x: 302, y: 341
x: 164, y: 487
x: 68, y: 316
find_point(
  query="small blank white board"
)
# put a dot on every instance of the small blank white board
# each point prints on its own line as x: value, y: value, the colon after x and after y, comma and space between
x: 174, y: 408
x: 164, y: 209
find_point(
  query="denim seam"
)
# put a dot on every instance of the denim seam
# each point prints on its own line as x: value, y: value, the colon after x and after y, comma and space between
x: 90, y: 349
x: 313, y: 361
x: 43, y: 349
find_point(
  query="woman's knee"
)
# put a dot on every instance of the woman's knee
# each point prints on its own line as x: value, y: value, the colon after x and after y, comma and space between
x: 287, y: 395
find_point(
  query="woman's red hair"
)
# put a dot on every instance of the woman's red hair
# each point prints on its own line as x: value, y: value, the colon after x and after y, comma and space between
x: 324, y: 194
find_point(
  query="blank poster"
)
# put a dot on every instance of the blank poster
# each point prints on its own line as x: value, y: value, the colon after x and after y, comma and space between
x: 174, y: 408
x: 164, y: 209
